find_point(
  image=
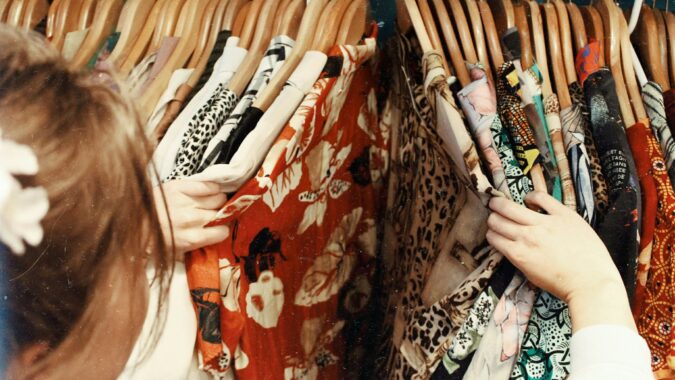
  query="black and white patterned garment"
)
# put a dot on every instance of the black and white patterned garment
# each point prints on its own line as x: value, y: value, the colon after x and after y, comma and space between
x: 201, y: 129
x: 275, y: 55
x: 656, y: 110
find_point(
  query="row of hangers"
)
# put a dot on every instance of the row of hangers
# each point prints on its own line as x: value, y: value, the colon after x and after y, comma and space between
x: 142, y: 24
x: 551, y: 33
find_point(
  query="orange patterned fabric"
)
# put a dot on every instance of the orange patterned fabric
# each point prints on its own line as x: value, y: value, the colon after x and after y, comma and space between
x: 287, y: 293
x: 655, y: 315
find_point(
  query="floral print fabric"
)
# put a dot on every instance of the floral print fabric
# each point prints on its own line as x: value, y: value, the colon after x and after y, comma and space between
x: 282, y: 296
x: 655, y: 317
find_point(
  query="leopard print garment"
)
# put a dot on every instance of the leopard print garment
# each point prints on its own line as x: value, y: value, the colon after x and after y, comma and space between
x: 202, y: 128
x: 429, y: 199
x: 599, y: 185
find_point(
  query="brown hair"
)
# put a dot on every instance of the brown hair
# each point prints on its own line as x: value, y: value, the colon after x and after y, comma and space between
x: 82, y: 291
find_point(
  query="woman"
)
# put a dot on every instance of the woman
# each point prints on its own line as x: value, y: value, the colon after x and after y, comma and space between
x: 77, y: 300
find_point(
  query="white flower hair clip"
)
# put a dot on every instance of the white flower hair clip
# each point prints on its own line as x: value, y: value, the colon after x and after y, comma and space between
x: 21, y: 210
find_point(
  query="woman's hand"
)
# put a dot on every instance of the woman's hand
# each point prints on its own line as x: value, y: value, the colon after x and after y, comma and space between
x: 191, y: 205
x: 561, y: 254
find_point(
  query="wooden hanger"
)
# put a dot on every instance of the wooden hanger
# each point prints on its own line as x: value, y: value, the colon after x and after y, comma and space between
x: 105, y: 19
x: 629, y: 71
x: 283, y: 4
x: 204, y: 34
x: 331, y: 21
x: 188, y: 25
x: 456, y: 56
x: 613, y: 57
x: 290, y: 24
x: 249, y: 28
x: 233, y: 9
x: 86, y: 13
x: 65, y: 21
x: 491, y: 34
x: 463, y: 31
x: 126, y: 63
x: 539, y: 42
x: 306, y: 33
x: 256, y: 51
x: 353, y: 25
x: 663, y: 44
x: 216, y: 28
x: 4, y: 9
x: 36, y: 11
x: 418, y: 24
x: 432, y: 31
x: 51, y: 18
x: 241, y: 19
x: 556, y: 56
x: 578, y: 27
x: 594, y: 29
x: 502, y: 11
x: 478, y: 35
x: 15, y: 14
x: 567, y: 51
x: 645, y: 38
x: 670, y: 29
x: 130, y: 25
x: 166, y: 23
x: 526, y: 60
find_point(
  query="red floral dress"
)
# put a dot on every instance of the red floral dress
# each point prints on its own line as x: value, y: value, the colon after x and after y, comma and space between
x: 285, y: 295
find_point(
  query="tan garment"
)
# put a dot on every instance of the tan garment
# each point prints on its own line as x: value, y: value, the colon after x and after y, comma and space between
x: 173, y: 108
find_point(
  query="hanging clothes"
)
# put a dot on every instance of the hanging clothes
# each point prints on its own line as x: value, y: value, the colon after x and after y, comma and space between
x: 222, y: 147
x: 304, y: 247
x: 655, y: 311
x: 618, y: 226
x: 656, y: 110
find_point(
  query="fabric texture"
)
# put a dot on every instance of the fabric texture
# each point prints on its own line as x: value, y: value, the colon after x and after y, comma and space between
x: 618, y: 226
x: 221, y: 148
x: 552, y: 109
x: 598, y: 179
x: 655, y: 311
x: 522, y: 137
x: 609, y: 352
x: 479, y: 103
x: 171, y: 111
x: 72, y: 43
x: 535, y: 112
x: 434, y: 268
x: 282, y: 296
x: 166, y: 153
x: 263, y: 143
x: 656, y: 110
x: 142, y: 75
x: 178, y: 78
x: 574, y: 125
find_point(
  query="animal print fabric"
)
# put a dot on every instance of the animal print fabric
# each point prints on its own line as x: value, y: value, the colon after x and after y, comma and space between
x: 655, y: 317
x: 201, y: 129
x: 440, y: 263
x: 597, y: 178
x: 656, y: 110
x: 287, y: 293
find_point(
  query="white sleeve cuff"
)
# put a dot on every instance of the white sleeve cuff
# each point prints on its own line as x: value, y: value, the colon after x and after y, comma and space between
x: 611, y: 352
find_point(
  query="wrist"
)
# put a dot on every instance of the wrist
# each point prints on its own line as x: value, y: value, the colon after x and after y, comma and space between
x: 605, y: 302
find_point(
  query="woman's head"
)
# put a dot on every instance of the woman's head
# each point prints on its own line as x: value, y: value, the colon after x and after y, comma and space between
x: 81, y: 292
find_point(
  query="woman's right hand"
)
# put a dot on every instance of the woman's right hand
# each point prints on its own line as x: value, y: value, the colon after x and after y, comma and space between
x: 191, y: 205
x: 560, y: 253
